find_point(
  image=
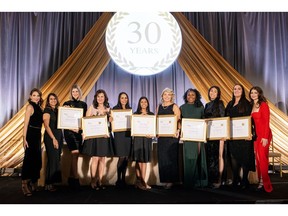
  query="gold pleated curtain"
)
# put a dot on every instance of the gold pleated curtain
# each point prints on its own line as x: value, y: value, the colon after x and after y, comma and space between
x: 201, y: 62
x: 206, y: 67
x: 84, y: 66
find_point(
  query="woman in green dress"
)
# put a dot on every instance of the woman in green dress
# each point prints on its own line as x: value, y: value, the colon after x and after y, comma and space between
x: 195, y: 168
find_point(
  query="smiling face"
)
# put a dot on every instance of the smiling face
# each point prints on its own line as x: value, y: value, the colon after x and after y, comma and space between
x: 75, y: 93
x: 123, y: 99
x: 237, y: 91
x: 100, y: 98
x: 191, y: 97
x: 213, y: 93
x: 144, y: 104
x: 52, y: 101
x: 254, y: 94
x: 167, y: 97
x: 35, y: 97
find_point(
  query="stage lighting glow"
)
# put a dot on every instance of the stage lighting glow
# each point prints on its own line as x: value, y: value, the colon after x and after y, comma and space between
x: 143, y: 43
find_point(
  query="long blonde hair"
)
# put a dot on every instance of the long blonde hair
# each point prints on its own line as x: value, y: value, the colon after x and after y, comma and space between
x: 75, y: 86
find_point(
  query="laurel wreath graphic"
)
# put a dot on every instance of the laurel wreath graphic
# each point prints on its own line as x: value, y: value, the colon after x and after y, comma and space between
x: 158, y: 65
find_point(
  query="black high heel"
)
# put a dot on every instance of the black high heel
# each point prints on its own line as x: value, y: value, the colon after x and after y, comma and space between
x: 260, y: 187
x: 25, y: 189
x: 100, y: 185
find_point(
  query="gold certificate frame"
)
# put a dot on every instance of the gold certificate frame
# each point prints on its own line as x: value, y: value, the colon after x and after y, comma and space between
x: 95, y: 126
x: 143, y: 125
x: 193, y: 130
x: 69, y: 118
x: 241, y: 128
x: 218, y: 128
x: 166, y: 125
x: 121, y: 120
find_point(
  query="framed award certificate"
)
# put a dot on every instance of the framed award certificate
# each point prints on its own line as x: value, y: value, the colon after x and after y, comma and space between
x: 121, y: 120
x: 95, y: 126
x: 241, y: 128
x: 143, y: 125
x: 218, y: 128
x: 193, y: 130
x: 166, y: 125
x: 69, y: 118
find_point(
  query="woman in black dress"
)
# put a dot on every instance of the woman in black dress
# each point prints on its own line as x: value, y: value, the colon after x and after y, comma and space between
x: 32, y: 161
x: 53, y: 141
x: 98, y: 148
x: 142, y: 148
x: 215, y: 148
x: 73, y: 138
x: 122, y: 142
x: 241, y: 151
x: 168, y: 146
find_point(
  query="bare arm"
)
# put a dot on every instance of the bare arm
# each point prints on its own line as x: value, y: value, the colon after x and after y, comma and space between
x: 177, y: 112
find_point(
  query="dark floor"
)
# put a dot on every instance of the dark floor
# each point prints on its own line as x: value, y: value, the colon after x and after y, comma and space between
x: 10, y: 193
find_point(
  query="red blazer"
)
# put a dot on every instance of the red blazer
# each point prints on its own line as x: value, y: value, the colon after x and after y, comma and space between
x: 262, y: 122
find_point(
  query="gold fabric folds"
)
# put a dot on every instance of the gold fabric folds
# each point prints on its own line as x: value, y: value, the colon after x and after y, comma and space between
x: 206, y: 67
x: 84, y: 66
x: 201, y: 62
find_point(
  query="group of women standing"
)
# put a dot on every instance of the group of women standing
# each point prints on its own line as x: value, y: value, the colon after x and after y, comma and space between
x: 204, y: 163
x: 240, y: 154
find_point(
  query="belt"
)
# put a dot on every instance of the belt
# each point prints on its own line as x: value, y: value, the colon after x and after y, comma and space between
x: 35, y: 127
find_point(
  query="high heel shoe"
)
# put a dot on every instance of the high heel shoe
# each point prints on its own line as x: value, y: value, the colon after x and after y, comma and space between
x: 147, y: 187
x: 216, y: 185
x: 100, y: 185
x: 139, y: 185
x: 50, y: 188
x: 33, y: 186
x: 93, y: 186
x: 25, y: 189
x: 260, y: 187
x: 168, y: 186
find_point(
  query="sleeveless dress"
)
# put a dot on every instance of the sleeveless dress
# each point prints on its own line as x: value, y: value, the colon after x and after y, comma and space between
x: 53, y: 169
x: 122, y: 142
x: 32, y: 162
x: 167, y: 152
x: 142, y: 148
x: 195, y: 166
x: 74, y: 140
x: 101, y: 147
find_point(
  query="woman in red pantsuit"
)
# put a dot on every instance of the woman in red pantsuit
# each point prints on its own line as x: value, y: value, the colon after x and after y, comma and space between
x: 261, y: 116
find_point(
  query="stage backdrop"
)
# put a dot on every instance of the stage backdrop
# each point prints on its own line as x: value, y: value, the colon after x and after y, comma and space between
x: 29, y: 56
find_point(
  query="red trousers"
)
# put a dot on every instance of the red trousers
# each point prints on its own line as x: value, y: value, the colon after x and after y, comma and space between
x: 262, y: 163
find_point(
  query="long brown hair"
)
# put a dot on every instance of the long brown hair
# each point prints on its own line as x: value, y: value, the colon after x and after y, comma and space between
x: 39, y: 92
x: 261, y: 97
x: 47, y: 101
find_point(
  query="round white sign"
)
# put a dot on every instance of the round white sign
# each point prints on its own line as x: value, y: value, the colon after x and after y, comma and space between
x: 143, y: 43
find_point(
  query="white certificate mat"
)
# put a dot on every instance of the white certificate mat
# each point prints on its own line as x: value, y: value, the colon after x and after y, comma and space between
x: 121, y: 120
x: 166, y: 125
x: 218, y: 128
x: 241, y: 128
x: 193, y: 130
x: 95, y: 126
x: 143, y: 125
x: 69, y: 118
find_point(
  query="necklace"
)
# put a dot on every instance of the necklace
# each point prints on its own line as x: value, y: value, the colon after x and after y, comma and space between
x: 165, y: 107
